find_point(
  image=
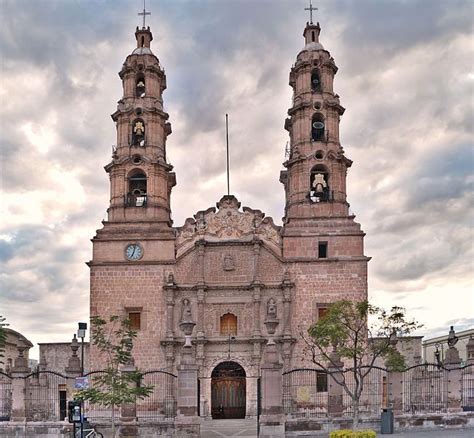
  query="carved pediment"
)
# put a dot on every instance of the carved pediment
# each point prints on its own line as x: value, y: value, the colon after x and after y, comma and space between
x: 228, y: 223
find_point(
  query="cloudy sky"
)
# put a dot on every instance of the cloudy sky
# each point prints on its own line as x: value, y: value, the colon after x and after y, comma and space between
x: 405, y: 76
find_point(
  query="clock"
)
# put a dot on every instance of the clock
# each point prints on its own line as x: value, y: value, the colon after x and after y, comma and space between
x: 134, y: 251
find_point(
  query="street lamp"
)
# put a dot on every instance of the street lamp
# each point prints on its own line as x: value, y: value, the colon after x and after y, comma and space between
x: 81, y: 333
x: 231, y: 339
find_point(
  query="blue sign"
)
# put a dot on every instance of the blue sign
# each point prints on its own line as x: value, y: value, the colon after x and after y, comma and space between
x: 81, y: 383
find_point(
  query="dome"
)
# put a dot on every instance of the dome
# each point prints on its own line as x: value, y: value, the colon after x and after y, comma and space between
x: 142, y: 51
x: 313, y: 46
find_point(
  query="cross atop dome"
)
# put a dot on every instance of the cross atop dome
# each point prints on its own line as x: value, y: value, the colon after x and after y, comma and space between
x: 144, y: 13
x: 310, y: 9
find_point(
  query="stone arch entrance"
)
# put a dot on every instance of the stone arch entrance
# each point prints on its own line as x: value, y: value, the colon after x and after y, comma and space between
x: 228, y: 391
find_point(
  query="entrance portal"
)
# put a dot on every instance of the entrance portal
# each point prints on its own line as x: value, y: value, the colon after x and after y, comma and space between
x: 228, y: 391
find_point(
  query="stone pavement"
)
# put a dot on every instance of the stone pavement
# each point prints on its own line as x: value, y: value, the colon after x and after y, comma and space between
x: 248, y: 429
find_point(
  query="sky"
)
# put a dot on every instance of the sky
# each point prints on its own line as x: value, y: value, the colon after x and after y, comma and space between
x: 405, y: 77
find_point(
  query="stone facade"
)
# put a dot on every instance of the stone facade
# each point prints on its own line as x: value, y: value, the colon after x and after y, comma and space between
x: 55, y: 356
x: 11, y: 349
x: 226, y: 263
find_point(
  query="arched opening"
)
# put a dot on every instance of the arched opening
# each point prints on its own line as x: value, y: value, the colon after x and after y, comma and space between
x: 315, y: 80
x: 140, y: 86
x: 319, y: 184
x: 318, y: 127
x: 228, y: 325
x: 138, y: 133
x: 137, y: 189
x: 143, y: 41
x: 228, y: 391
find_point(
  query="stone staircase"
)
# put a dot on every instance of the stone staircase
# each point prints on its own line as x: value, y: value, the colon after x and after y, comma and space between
x: 244, y: 428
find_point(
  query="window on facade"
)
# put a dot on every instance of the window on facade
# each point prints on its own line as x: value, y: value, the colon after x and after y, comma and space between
x: 135, y: 320
x: 322, y: 250
x: 322, y: 312
x: 138, y: 133
x: 318, y: 128
x: 137, y: 193
x: 319, y: 184
x: 228, y: 324
x: 321, y: 382
x: 315, y: 81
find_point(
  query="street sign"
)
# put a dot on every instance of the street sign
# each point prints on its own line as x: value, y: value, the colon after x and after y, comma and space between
x: 81, y: 383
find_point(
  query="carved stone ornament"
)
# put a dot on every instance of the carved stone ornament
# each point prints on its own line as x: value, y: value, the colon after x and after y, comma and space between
x: 227, y: 222
x: 271, y: 309
x: 228, y: 263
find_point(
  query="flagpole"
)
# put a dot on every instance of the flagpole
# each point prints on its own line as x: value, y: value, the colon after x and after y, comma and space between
x: 227, y: 143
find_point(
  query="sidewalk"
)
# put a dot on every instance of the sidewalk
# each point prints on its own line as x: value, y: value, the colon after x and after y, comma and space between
x: 434, y: 433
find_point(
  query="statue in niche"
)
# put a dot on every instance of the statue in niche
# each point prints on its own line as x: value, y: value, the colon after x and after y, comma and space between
x: 319, y: 183
x: 229, y: 264
x: 187, y: 313
x: 271, y: 309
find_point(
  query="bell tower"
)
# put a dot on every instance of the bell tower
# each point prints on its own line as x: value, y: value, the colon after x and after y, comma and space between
x: 140, y: 177
x: 316, y: 167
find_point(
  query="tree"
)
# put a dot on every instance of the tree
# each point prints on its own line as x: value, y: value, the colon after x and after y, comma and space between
x: 114, y: 339
x: 343, y: 344
x: 3, y: 337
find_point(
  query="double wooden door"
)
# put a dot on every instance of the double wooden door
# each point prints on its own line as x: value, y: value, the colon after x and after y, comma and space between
x: 228, y: 397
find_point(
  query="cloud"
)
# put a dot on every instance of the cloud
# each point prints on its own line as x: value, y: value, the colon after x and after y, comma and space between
x: 405, y: 77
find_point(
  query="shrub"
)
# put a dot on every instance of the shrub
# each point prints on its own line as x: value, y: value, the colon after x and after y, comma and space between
x: 346, y: 433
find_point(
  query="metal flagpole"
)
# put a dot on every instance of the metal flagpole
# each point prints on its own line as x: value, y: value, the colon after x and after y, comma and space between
x: 227, y: 142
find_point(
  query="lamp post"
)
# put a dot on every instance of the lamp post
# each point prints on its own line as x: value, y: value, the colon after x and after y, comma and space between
x: 81, y: 333
x: 230, y: 339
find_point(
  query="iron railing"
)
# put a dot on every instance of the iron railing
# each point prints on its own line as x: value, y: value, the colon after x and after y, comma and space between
x: 425, y: 389
x: 5, y: 396
x: 161, y: 403
x: 305, y: 392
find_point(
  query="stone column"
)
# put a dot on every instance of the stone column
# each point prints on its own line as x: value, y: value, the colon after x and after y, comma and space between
x: 19, y: 384
x: 169, y: 289
x: 201, y: 249
x: 128, y: 411
x: 256, y: 260
x: 286, y: 286
x: 73, y: 368
x: 272, y: 420
x: 452, y: 362
x: 395, y: 391
x: 256, y: 310
x: 187, y: 421
x: 200, y: 323
x: 335, y: 390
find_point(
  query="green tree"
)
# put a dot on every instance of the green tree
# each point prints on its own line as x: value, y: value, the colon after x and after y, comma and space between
x: 3, y: 337
x: 114, y: 339
x: 344, y: 340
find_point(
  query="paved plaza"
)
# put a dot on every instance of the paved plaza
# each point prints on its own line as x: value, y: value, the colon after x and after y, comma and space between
x: 248, y: 429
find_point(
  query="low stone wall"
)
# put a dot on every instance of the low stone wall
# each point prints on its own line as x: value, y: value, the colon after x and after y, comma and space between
x: 63, y: 430
x: 322, y: 426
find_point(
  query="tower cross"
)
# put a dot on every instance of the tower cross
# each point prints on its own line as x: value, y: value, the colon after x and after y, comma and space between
x: 144, y: 13
x: 311, y: 9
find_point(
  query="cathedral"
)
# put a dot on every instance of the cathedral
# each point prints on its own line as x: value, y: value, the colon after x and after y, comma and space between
x: 229, y: 269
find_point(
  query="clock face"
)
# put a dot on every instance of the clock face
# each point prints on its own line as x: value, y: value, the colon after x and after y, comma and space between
x: 134, y: 251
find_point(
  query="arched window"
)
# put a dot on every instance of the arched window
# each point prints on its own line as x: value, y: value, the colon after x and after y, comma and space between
x: 315, y: 81
x: 318, y: 128
x: 137, y: 190
x: 138, y: 133
x: 319, y: 184
x: 140, y: 86
x: 228, y: 324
